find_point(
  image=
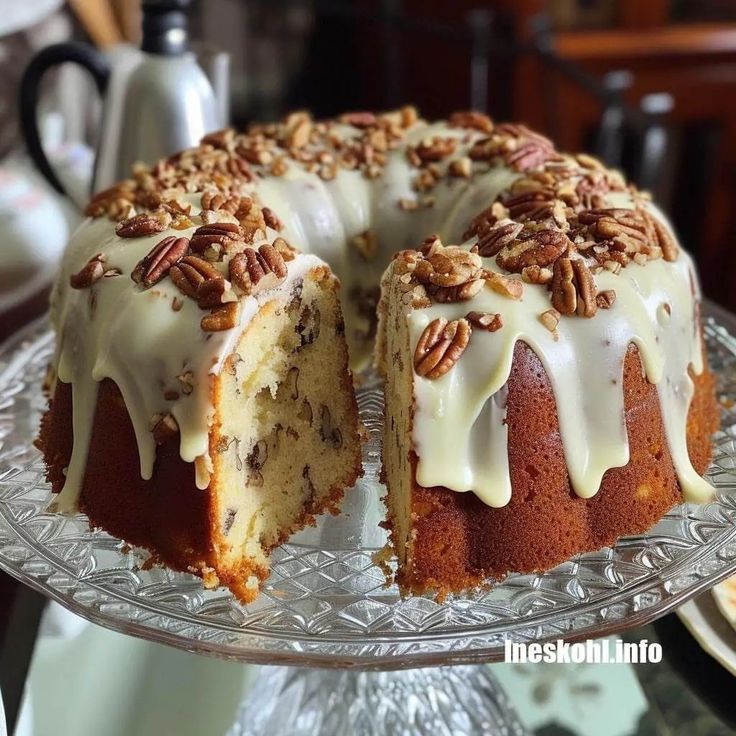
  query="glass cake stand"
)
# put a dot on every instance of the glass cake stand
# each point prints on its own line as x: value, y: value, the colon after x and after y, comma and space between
x: 326, y: 605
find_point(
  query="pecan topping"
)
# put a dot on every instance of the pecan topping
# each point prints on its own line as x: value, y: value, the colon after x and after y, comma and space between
x: 485, y: 220
x: 432, y: 149
x: 504, y: 285
x: 605, y: 299
x: 471, y: 119
x: 164, y: 427
x: 366, y: 244
x: 585, y: 287
x: 461, y: 167
x: 540, y: 248
x: 358, y: 119
x: 147, y: 223
x: 573, y: 288
x: 162, y: 257
x: 536, y: 275
x: 224, y: 317
x: 485, y: 321
x: 217, y: 236
x: 254, y: 271
x: 271, y: 219
x: 490, y: 243
x: 91, y: 272
x: 460, y: 293
x: 550, y: 319
x: 450, y: 266
x: 564, y: 296
x: 440, y: 346
x: 218, y: 201
x: 200, y: 280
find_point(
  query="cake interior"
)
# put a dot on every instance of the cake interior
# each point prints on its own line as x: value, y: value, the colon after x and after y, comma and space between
x: 279, y: 451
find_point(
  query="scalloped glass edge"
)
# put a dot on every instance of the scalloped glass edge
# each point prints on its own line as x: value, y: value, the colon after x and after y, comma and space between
x: 326, y: 603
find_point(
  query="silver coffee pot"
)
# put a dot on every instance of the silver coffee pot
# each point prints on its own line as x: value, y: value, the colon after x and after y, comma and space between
x: 156, y: 103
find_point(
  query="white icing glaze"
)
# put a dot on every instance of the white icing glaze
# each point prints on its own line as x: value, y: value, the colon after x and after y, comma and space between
x: 136, y: 339
x: 584, y: 364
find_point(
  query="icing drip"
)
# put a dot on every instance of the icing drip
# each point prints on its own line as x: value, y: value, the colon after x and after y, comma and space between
x: 134, y: 337
x: 584, y: 364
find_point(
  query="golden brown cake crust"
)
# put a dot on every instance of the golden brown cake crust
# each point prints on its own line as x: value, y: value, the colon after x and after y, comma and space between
x: 458, y: 541
x: 167, y: 515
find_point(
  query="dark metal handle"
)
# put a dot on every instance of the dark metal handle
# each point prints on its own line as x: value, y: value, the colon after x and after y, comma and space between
x: 77, y: 53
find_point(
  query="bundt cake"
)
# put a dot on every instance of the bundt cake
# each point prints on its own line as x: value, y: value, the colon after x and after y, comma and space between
x: 545, y: 380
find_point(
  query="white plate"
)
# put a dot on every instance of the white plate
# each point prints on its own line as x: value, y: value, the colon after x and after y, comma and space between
x: 710, y: 628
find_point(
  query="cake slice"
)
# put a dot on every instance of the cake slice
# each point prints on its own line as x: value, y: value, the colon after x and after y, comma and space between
x: 515, y: 436
x: 201, y: 417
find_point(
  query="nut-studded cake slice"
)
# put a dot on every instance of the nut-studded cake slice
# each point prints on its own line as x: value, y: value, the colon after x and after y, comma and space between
x: 202, y: 405
x: 538, y: 404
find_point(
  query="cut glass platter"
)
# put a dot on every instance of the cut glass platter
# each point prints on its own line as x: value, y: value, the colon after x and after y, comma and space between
x: 326, y: 603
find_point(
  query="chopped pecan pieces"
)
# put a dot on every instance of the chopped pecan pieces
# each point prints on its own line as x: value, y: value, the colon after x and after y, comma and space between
x: 91, y: 272
x: 271, y: 219
x: 162, y: 257
x: 440, y: 346
x: 164, y: 427
x: 605, y: 299
x: 224, y: 317
x: 460, y: 293
x: 366, y: 244
x: 485, y: 321
x: 147, y: 223
x: 471, y: 119
x: 450, y: 266
x: 550, y: 319
x: 461, y: 167
x: 504, y: 285
x: 540, y: 248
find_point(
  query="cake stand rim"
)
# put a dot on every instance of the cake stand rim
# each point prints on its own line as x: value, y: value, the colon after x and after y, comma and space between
x: 445, y: 655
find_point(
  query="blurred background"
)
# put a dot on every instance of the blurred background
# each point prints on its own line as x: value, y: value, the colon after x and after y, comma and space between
x: 648, y: 86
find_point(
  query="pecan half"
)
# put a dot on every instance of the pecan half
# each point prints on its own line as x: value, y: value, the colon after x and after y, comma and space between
x: 440, y: 346
x: 564, y: 296
x: 540, y: 248
x: 490, y: 243
x: 254, y: 271
x: 573, y: 288
x: 91, y: 272
x: 147, y: 223
x: 224, y: 317
x: 585, y: 287
x: 218, y: 236
x: 471, y: 119
x: 162, y: 257
x: 200, y: 280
